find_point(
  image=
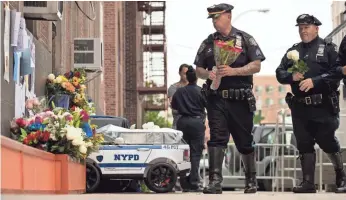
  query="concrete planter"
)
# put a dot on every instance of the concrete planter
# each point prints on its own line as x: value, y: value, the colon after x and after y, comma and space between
x: 29, y: 170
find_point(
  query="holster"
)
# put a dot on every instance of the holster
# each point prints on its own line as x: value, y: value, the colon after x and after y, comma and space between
x: 334, y: 102
x: 204, y: 92
x: 289, y: 99
x: 250, y: 99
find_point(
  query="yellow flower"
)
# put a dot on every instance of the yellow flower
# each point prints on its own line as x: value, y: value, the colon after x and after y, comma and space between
x: 62, y: 78
x: 63, y: 84
x: 83, y: 87
x: 58, y: 79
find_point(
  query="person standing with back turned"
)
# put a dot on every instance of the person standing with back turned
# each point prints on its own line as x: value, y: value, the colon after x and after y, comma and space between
x: 190, y: 104
x: 232, y: 105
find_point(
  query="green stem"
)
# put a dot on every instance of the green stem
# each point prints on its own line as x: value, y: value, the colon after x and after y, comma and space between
x: 226, y: 58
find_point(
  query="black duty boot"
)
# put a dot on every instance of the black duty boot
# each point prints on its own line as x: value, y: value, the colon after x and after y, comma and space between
x: 250, y: 173
x: 216, y: 155
x: 340, y: 176
x: 308, y: 163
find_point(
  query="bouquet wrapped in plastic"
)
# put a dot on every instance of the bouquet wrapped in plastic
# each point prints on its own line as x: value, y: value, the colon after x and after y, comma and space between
x: 225, y: 53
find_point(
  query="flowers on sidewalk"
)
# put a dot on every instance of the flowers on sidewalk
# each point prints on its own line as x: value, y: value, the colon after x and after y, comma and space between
x: 60, y: 122
x: 58, y: 131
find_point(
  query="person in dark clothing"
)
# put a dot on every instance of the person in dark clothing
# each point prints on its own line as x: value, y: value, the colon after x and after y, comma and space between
x: 190, y: 104
x: 232, y: 105
x: 314, y: 103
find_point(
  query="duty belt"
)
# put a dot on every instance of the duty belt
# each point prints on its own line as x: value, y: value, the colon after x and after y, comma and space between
x: 314, y: 99
x: 236, y: 94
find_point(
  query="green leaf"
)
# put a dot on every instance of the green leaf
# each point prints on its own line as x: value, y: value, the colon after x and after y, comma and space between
x: 61, y: 149
x: 290, y: 70
x: 23, y: 132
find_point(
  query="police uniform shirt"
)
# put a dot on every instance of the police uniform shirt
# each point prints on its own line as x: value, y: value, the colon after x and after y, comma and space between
x: 320, y: 56
x: 251, y: 52
x: 188, y: 101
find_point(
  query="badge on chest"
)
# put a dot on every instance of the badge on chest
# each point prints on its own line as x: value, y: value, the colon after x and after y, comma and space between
x: 320, y: 50
x: 238, y: 43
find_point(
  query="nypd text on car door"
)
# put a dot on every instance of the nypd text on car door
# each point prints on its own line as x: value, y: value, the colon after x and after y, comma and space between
x: 120, y: 159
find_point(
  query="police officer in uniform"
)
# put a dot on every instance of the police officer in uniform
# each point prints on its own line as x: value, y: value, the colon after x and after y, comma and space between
x: 314, y: 103
x: 190, y: 104
x: 231, y: 107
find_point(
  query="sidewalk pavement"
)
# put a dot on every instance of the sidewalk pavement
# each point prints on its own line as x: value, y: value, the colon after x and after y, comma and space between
x: 174, y: 196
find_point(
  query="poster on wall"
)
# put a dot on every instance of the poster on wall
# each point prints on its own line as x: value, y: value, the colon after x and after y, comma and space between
x: 7, y: 44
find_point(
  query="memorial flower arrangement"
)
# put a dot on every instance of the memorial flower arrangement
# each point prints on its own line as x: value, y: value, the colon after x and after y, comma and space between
x: 299, y: 66
x: 225, y: 54
x: 58, y: 131
x: 68, y: 90
x: 60, y: 122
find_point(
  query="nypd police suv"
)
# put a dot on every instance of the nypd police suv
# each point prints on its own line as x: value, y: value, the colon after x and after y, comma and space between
x: 157, y: 156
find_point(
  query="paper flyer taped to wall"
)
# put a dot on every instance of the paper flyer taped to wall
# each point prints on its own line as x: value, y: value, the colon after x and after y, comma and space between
x: 22, y: 37
x: 7, y: 44
x: 15, y: 24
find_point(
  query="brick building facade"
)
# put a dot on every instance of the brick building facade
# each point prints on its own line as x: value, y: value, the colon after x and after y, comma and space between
x: 54, y: 47
x: 123, y: 59
x: 270, y: 96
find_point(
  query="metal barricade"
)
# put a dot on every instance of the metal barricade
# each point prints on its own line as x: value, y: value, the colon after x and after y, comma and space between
x: 268, y: 165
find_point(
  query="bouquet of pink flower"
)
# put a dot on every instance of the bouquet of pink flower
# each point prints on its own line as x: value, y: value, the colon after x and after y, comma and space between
x: 225, y: 53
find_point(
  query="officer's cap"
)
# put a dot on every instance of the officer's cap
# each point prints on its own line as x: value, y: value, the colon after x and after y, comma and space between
x: 307, y: 19
x: 217, y: 10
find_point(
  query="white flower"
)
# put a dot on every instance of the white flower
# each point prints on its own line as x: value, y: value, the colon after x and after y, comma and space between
x: 51, y: 77
x: 156, y: 127
x: 78, y: 141
x: 293, y: 55
x: 82, y: 149
x: 52, y: 136
x: 73, y: 133
x: 133, y: 126
x: 149, y: 125
x: 88, y: 144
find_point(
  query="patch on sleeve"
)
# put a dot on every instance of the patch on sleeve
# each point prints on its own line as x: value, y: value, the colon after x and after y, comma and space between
x: 258, y: 52
x: 201, y: 48
x: 253, y: 42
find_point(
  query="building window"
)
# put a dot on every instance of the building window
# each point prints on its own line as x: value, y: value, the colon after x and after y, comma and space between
x: 281, y: 88
x: 282, y: 102
x: 259, y: 104
x: 258, y: 89
x: 269, y: 88
x: 269, y: 102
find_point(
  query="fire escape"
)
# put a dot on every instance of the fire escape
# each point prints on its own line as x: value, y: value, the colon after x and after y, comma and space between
x: 154, y: 84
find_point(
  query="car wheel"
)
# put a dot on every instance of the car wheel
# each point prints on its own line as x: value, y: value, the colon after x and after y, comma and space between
x: 93, y: 177
x: 161, y: 178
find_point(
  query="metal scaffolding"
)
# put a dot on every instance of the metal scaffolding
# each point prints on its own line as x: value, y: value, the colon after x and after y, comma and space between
x: 154, y: 53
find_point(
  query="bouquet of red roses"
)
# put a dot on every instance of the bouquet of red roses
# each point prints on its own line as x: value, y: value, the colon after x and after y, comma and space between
x: 225, y: 53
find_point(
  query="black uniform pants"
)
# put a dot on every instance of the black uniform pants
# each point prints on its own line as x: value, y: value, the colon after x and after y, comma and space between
x: 193, y: 133
x: 309, y: 131
x: 230, y: 117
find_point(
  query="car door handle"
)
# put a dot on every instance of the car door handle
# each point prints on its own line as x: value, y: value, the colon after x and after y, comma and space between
x: 143, y: 149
